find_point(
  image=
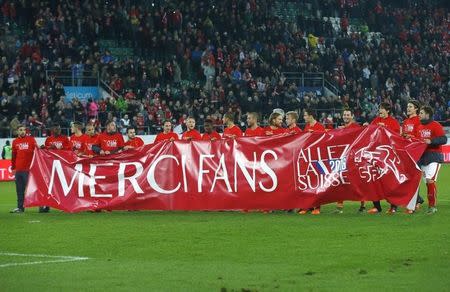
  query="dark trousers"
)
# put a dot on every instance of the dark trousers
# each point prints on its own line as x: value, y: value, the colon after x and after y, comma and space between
x: 21, y: 184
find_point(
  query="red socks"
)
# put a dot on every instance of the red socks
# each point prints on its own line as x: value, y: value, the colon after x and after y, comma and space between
x: 431, y: 193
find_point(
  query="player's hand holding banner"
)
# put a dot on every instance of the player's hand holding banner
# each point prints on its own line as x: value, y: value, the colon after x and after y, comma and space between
x: 278, y: 172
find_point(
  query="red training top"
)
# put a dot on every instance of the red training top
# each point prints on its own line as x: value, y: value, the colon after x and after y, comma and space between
x: 233, y: 131
x: 258, y: 131
x: 110, y: 142
x: 352, y: 125
x: 318, y: 127
x: 90, y: 140
x: 191, y: 135
x: 269, y: 131
x: 60, y: 143
x: 22, y: 153
x: 294, y: 130
x: 135, y: 143
x: 410, y: 125
x: 389, y: 122
x: 210, y: 137
x: 77, y: 142
x: 430, y: 131
x: 163, y: 137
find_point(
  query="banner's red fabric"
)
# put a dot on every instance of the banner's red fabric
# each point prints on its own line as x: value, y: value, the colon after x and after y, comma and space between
x: 281, y: 172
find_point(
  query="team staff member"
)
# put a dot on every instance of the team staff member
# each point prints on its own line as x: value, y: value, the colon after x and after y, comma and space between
x: 191, y: 133
x: 22, y: 153
x: 210, y: 134
x: 231, y: 130
x: 433, y: 134
x: 110, y: 141
x: 253, y: 129
x: 167, y: 133
x: 133, y: 141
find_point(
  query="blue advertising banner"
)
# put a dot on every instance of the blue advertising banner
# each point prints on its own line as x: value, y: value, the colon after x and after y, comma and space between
x: 81, y: 92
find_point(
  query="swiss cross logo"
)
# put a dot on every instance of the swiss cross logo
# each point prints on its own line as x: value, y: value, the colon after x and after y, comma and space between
x: 111, y: 143
x: 425, y: 133
x: 57, y: 144
x: 23, y: 146
x: 409, y: 128
x: 76, y: 144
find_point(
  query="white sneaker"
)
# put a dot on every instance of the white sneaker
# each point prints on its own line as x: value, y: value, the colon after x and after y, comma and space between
x: 432, y: 210
x: 16, y: 210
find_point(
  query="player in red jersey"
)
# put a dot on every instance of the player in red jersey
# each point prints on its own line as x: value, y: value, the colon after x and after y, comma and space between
x: 409, y: 127
x: 253, y: 129
x: 133, y: 141
x: 433, y: 134
x: 56, y: 141
x: 275, y: 124
x: 22, y: 153
x: 291, y: 122
x: 167, y: 134
x: 78, y: 139
x: 91, y: 139
x: 231, y: 131
x: 385, y: 120
x: 312, y: 125
x: 210, y: 134
x: 191, y: 133
x: 110, y: 141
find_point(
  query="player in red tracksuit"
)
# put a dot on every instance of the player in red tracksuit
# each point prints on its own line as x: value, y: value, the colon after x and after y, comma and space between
x: 78, y: 139
x: 167, y: 134
x: 275, y: 125
x: 291, y: 122
x: 22, y: 153
x: 133, y: 141
x: 110, y: 141
x: 312, y: 125
x: 253, y: 129
x: 56, y: 141
x: 91, y: 139
x: 191, y: 133
x: 433, y: 134
x: 385, y: 119
x: 210, y: 134
x: 231, y: 131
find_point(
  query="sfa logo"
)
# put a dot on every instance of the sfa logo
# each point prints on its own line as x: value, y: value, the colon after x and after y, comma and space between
x: 319, y: 168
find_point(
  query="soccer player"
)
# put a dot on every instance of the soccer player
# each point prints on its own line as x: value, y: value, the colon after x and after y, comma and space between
x: 433, y: 134
x: 91, y: 139
x: 191, y: 133
x: 275, y: 125
x: 78, y: 139
x: 22, y: 153
x: 385, y: 120
x: 210, y: 134
x: 312, y: 125
x: 291, y: 121
x: 110, y: 141
x: 409, y: 127
x: 231, y: 131
x: 133, y: 141
x: 56, y: 141
x: 167, y: 133
x: 253, y: 129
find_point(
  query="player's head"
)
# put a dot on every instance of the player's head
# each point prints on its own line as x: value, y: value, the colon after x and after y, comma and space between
x: 111, y: 127
x: 167, y: 126
x: 90, y: 130
x: 426, y: 113
x: 131, y: 132
x: 413, y: 107
x: 228, y: 119
x: 76, y: 127
x: 209, y: 128
x: 385, y: 109
x: 190, y: 123
x: 56, y: 129
x: 291, y: 118
x: 252, y: 119
x: 276, y: 119
x: 348, y: 116
x: 309, y: 115
x: 22, y: 131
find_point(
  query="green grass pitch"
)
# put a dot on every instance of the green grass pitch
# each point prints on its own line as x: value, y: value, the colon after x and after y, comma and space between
x: 226, y: 251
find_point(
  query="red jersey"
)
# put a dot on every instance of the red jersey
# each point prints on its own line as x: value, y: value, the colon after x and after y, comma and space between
x: 22, y: 153
x: 294, y: 130
x: 389, y: 122
x: 258, y: 131
x: 317, y: 127
x: 77, y: 142
x: 135, y: 143
x: 110, y: 142
x: 90, y: 140
x: 352, y: 125
x: 269, y: 131
x: 234, y: 131
x: 163, y: 137
x: 60, y: 143
x: 212, y: 136
x: 409, y: 127
x: 430, y: 131
x: 191, y: 135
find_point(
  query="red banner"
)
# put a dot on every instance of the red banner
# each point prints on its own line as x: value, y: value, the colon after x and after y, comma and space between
x: 281, y: 172
x: 446, y: 153
x: 5, y: 170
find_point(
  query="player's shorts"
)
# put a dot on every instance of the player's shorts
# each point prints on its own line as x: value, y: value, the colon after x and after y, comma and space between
x: 431, y: 170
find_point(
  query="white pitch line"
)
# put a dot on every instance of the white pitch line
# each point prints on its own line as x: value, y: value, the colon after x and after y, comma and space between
x: 58, y: 259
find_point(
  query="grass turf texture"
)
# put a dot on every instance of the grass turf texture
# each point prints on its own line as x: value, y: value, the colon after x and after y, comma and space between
x: 228, y: 251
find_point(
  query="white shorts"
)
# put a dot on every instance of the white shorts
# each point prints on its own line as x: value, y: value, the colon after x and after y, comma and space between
x: 431, y: 170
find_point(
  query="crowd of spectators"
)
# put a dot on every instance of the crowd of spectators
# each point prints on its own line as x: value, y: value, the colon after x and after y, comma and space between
x: 206, y: 58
